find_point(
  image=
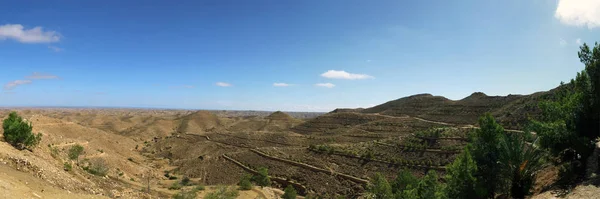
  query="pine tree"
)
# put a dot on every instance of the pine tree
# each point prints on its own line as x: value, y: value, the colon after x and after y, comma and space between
x: 460, y: 176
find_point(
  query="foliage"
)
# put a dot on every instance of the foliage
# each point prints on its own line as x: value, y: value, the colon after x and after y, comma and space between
x: 406, y: 186
x: 17, y: 132
x: 262, y: 178
x: 75, y: 151
x: 185, y: 181
x: 460, y: 176
x: 189, y: 194
x: 245, y: 183
x: 67, y: 166
x: 486, y: 154
x: 289, y: 193
x: 223, y: 193
x: 54, y: 151
x: 380, y: 188
x: 175, y: 186
x: 571, y: 121
x: 403, y: 180
x: 519, y: 165
x: 430, y: 187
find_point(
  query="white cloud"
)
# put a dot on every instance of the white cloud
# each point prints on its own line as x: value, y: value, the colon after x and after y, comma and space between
x: 578, y: 41
x: 14, y: 84
x: 562, y: 42
x: 37, y: 75
x: 223, y: 84
x: 579, y: 12
x: 55, y: 49
x: 281, y: 84
x: 340, y: 74
x: 326, y: 85
x: 33, y: 35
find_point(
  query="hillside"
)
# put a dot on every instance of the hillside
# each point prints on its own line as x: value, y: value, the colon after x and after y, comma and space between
x: 511, y: 111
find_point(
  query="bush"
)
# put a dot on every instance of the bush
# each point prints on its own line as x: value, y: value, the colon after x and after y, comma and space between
x: 223, y: 193
x: 185, y: 181
x: 96, y: 167
x: 75, y: 151
x: 245, y: 183
x: 175, y: 186
x: 262, y: 178
x: 190, y: 194
x: 67, y: 166
x: 289, y: 193
x: 17, y: 132
x: 380, y: 188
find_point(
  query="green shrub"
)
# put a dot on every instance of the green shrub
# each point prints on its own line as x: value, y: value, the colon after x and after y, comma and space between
x: 245, y: 183
x: 67, y: 166
x: 289, y: 193
x: 75, y: 151
x: 185, y: 181
x: 262, y: 178
x: 17, y: 132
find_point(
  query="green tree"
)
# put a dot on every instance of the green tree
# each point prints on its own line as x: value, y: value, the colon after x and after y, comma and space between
x: 245, y: 183
x: 289, y: 193
x: 486, y: 154
x: 75, y: 151
x: 519, y: 162
x: 460, y: 176
x: 262, y: 178
x: 403, y: 180
x: 380, y: 188
x: 570, y: 120
x: 17, y: 132
x: 429, y: 187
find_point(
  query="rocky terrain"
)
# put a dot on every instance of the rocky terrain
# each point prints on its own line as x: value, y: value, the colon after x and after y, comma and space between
x: 332, y: 154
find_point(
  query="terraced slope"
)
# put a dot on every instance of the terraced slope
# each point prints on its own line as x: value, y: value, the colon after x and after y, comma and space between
x: 511, y: 111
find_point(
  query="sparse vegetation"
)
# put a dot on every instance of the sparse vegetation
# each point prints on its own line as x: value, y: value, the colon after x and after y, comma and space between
x: 67, y: 166
x: 17, y: 132
x: 223, y: 192
x: 96, y: 166
x: 175, y: 186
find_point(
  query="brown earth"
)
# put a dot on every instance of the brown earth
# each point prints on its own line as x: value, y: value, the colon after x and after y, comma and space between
x: 140, y: 146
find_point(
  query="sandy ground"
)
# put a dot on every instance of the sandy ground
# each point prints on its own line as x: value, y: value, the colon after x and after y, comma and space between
x: 17, y: 184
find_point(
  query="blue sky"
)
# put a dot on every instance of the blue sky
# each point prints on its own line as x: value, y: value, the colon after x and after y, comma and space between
x: 310, y: 55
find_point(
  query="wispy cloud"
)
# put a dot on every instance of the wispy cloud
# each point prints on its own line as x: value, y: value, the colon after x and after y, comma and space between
x: 562, y: 42
x: 55, y: 49
x: 34, y: 35
x: 37, y: 75
x: 14, y: 84
x: 281, y: 84
x: 579, y: 12
x: 578, y: 41
x: 223, y: 84
x: 340, y: 74
x: 326, y: 85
